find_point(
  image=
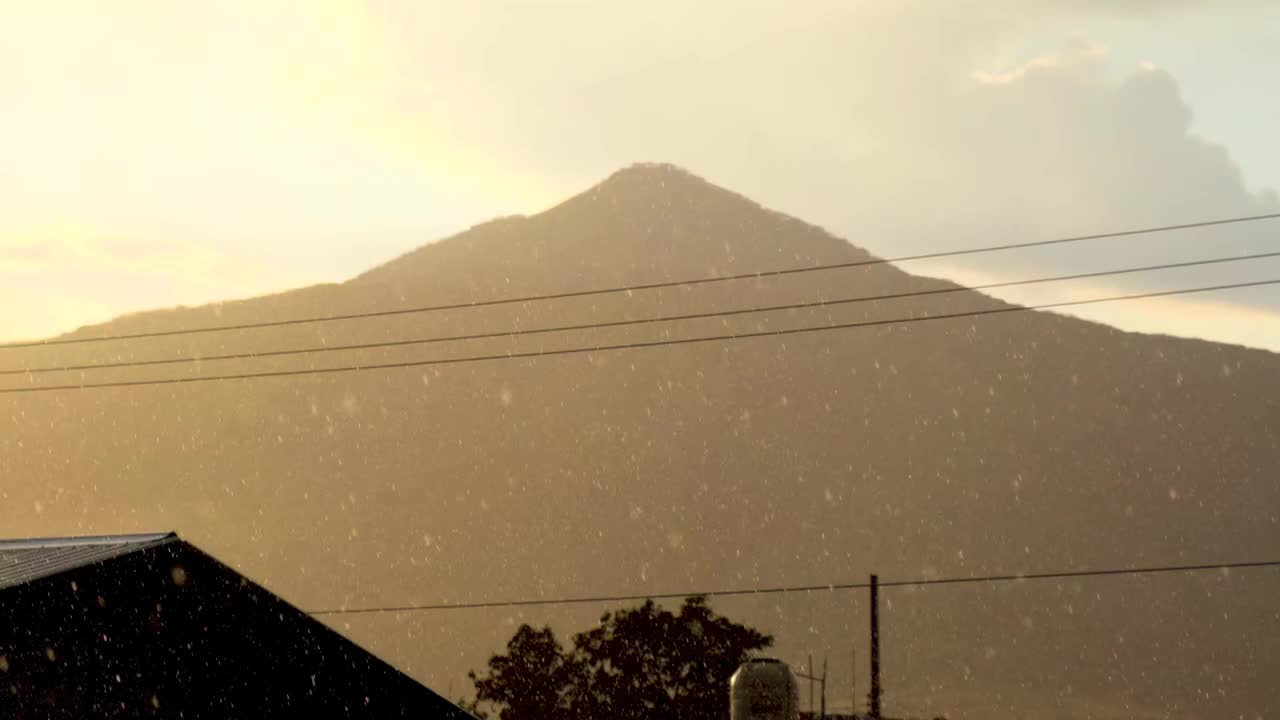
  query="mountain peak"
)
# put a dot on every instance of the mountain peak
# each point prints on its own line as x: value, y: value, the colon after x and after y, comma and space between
x: 652, y: 170
x: 643, y: 223
x: 665, y: 175
x: 648, y: 178
x: 650, y: 186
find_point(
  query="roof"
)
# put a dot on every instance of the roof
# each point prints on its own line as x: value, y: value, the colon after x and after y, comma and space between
x: 22, y: 561
x: 115, y: 627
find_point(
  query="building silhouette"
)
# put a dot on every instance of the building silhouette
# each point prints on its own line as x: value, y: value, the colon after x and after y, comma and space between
x: 150, y: 626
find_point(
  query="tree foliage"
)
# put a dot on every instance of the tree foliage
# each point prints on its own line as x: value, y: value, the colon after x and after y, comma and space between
x: 642, y: 663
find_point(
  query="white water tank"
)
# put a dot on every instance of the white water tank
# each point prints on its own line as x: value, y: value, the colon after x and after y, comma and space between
x: 763, y: 689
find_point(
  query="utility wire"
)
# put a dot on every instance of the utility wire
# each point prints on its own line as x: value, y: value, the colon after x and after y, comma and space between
x: 621, y: 323
x: 630, y: 345
x: 831, y: 587
x: 647, y: 286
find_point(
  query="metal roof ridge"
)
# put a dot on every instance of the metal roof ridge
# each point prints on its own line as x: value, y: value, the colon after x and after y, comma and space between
x: 85, y: 540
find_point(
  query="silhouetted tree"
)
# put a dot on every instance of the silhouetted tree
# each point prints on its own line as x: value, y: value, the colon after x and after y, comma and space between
x: 530, y: 681
x: 643, y: 663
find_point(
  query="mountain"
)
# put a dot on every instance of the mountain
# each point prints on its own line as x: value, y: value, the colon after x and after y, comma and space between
x: 1015, y: 442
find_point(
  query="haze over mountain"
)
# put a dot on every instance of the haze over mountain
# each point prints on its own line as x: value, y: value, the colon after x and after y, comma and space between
x: 1014, y: 442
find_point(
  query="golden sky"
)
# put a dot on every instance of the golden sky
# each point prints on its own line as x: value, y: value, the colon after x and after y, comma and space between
x: 159, y: 153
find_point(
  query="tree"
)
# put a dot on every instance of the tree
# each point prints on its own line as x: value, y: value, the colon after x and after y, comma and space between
x: 642, y: 663
x: 529, y: 682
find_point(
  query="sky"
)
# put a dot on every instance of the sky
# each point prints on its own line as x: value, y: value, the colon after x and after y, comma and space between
x: 157, y: 154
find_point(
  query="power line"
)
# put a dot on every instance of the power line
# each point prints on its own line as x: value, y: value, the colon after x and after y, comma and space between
x: 631, y: 345
x: 255, y: 355
x: 831, y: 587
x: 646, y: 286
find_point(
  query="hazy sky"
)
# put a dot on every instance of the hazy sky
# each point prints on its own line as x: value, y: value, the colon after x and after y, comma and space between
x: 156, y: 153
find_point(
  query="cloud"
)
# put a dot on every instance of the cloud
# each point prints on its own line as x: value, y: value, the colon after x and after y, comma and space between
x: 908, y: 127
x: 55, y: 247
x: 1118, y: 7
x: 56, y: 277
x: 1236, y: 316
x: 1053, y: 148
x: 905, y: 127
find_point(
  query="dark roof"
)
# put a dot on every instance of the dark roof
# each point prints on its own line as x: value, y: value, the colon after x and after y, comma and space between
x: 138, y: 625
x: 22, y: 561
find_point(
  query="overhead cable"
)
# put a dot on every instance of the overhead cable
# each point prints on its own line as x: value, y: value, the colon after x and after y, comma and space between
x: 645, y: 286
x: 260, y: 354
x: 1004, y: 309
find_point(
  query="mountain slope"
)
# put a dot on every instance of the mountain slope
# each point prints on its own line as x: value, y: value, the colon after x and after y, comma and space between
x: 1023, y: 441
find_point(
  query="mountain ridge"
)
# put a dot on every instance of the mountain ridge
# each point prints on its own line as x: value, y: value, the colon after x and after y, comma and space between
x: 643, y: 176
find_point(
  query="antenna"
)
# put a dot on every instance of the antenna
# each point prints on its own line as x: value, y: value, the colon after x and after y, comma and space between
x: 853, y: 681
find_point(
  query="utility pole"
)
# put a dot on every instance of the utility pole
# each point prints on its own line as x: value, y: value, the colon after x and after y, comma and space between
x: 874, y: 709
x: 824, y: 687
x: 809, y: 670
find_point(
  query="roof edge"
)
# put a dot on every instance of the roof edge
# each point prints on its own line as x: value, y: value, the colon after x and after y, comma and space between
x: 127, y: 539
